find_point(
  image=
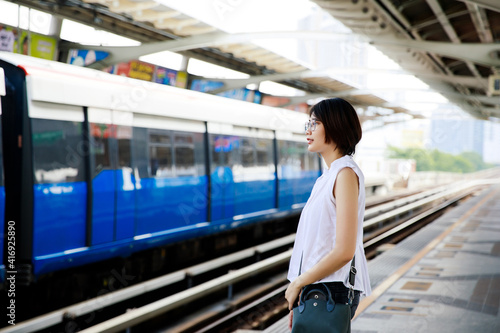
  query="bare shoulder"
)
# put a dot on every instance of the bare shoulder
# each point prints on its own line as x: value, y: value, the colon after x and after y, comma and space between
x: 347, y: 181
x: 347, y: 175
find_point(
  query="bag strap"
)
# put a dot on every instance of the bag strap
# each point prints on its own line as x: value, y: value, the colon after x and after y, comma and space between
x: 352, y: 272
x: 352, y: 276
x: 300, y: 265
x: 352, y: 280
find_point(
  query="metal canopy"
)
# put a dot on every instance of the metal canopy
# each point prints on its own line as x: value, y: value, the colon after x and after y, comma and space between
x: 452, y: 45
x: 455, y: 43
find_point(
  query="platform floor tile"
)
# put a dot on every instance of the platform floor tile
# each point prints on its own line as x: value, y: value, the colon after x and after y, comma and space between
x: 455, y: 287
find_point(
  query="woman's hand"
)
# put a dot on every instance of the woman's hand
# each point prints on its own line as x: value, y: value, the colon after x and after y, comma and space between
x: 292, y: 293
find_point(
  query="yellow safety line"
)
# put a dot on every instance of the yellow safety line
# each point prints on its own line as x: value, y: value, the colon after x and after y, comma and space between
x: 381, y: 288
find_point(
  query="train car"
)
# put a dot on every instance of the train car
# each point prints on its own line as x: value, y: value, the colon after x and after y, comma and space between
x: 98, y: 166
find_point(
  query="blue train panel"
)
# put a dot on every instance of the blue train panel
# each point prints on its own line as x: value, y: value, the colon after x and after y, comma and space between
x: 296, y: 190
x: 59, y: 217
x: 125, y: 204
x: 163, y: 215
x: 113, y: 206
x: 222, y: 195
x: 103, y: 207
x: 170, y: 203
x: 254, y: 196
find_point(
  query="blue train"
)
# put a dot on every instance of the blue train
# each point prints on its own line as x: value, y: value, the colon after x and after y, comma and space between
x: 97, y: 166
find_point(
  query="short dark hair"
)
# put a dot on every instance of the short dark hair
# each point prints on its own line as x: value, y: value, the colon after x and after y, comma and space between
x: 341, y: 123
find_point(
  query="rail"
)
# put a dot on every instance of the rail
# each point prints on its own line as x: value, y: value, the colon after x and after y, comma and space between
x: 445, y: 192
x: 83, y: 308
x: 156, y: 308
x: 139, y: 315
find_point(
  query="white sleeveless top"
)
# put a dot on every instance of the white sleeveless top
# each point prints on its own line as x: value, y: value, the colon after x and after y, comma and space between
x: 317, y: 229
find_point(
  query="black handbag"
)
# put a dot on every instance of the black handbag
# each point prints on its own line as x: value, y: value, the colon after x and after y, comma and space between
x: 317, y: 311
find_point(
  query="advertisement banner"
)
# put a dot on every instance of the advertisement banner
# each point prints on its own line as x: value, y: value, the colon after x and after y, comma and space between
x: 182, y: 80
x: 243, y: 94
x: 43, y: 47
x: 85, y: 57
x: 134, y: 69
x: 141, y: 70
x: 170, y: 77
x: 23, y: 42
x: 165, y: 76
x: 7, y: 39
x: 205, y: 85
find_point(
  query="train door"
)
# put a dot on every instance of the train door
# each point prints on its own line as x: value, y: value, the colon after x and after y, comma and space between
x: 223, y: 157
x: 113, y: 182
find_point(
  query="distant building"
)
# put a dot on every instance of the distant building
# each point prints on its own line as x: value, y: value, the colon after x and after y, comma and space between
x: 457, y: 135
x: 491, y: 147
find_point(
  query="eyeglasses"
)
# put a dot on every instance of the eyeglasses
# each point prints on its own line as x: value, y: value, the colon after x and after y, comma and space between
x: 311, y: 125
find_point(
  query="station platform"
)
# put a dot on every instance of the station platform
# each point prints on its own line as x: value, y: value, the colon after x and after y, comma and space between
x: 444, y: 278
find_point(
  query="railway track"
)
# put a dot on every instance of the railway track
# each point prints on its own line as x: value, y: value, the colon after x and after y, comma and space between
x: 249, y: 295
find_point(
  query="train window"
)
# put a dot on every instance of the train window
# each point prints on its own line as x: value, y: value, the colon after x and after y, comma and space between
x: 296, y: 156
x: 264, y: 149
x: 160, y: 155
x: 222, y: 149
x: 58, y: 151
x: 313, y: 161
x: 199, y: 153
x: 247, y: 152
x: 183, y: 138
x: 184, y: 154
x: 184, y: 161
x: 124, y: 159
x: 101, y: 133
x: 288, y: 153
x: 308, y: 161
x: 124, y: 137
x: 140, y: 152
x: 159, y: 138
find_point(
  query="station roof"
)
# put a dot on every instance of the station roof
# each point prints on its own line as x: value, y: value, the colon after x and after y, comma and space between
x: 451, y: 45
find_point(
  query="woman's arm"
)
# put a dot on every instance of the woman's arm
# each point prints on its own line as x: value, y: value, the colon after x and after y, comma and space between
x: 346, y: 192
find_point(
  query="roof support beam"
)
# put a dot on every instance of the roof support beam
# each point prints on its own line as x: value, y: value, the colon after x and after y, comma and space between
x: 476, y: 52
x: 450, y: 31
x: 466, y: 81
x: 481, y: 53
x: 493, y: 100
x: 490, y: 4
x: 478, y: 16
x: 230, y: 84
x: 151, y: 15
x: 123, y: 6
x: 118, y: 54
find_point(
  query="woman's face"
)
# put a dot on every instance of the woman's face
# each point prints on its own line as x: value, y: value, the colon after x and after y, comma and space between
x: 315, y: 136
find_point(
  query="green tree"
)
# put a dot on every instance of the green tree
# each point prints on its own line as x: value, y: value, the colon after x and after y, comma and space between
x: 436, y: 160
x: 476, y: 160
x: 422, y: 157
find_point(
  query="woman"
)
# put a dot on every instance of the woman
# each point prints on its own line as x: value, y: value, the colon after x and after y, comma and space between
x: 330, y: 230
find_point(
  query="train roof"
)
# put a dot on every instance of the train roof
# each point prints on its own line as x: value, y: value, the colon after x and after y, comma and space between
x: 64, y: 84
